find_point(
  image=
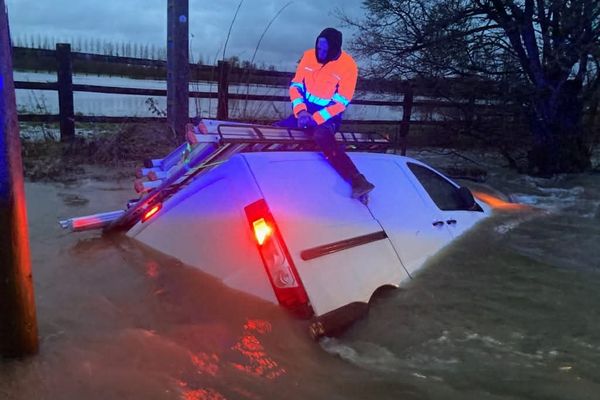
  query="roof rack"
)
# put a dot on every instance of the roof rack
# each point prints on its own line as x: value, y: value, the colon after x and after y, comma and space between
x: 212, y: 143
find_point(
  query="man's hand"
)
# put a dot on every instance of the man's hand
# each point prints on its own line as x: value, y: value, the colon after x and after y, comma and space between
x: 305, y: 120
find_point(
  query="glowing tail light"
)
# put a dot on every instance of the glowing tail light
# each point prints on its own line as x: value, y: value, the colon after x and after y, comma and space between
x: 276, y: 259
x: 148, y: 214
x: 261, y: 230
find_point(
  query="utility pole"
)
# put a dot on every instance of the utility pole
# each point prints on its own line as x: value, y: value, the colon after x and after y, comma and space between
x: 18, y: 326
x: 178, y: 66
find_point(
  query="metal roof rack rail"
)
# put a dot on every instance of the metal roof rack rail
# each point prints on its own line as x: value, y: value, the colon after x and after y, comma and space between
x: 212, y: 143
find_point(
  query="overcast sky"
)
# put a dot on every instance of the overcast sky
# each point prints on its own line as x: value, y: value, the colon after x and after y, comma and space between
x: 144, y: 22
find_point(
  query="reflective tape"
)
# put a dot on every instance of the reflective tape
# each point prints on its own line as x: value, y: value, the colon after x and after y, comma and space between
x: 341, y: 99
x: 296, y: 102
x: 317, y: 100
x: 325, y: 114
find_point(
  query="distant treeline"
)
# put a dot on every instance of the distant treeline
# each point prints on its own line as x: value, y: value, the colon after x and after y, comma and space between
x: 31, y: 61
x: 95, y: 46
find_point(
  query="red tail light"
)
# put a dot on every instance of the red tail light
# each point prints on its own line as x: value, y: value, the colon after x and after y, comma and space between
x: 262, y: 230
x: 148, y: 214
x: 276, y: 259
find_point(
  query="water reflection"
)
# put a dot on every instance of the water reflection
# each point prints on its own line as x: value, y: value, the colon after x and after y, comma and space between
x: 257, y: 362
x: 497, y: 202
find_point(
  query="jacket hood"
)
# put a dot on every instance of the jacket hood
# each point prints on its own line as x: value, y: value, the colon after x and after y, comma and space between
x: 334, y: 40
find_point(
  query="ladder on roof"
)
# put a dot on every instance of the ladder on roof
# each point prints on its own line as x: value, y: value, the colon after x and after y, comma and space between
x: 212, y: 143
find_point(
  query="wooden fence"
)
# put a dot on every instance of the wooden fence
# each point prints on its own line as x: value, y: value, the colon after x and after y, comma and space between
x: 65, y: 59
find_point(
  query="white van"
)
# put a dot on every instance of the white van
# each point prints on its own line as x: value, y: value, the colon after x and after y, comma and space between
x: 282, y: 226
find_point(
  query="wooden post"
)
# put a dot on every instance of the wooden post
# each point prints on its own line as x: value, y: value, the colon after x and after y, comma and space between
x: 223, y: 91
x: 406, y: 113
x: 178, y: 66
x: 18, y: 326
x: 64, y: 74
x: 170, y: 63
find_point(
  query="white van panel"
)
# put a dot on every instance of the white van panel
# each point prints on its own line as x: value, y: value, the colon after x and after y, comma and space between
x: 205, y: 226
x: 401, y: 211
x: 314, y: 208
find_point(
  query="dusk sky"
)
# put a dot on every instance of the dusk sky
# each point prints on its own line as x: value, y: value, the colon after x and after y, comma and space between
x: 144, y: 22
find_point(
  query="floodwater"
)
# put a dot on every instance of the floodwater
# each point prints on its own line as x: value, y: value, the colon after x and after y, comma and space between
x: 509, y: 311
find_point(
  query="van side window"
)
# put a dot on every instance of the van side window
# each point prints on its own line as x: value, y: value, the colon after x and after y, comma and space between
x: 443, y: 193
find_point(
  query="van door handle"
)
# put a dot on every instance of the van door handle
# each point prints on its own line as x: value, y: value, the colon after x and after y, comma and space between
x: 438, y: 223
x: 451, y: 222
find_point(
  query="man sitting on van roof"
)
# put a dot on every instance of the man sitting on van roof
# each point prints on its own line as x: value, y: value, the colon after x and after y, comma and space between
x: 320, y: 91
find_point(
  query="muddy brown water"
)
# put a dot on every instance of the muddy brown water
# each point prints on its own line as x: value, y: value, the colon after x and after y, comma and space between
x: 509, y: 311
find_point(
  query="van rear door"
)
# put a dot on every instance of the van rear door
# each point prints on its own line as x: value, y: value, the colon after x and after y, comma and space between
x: 312, y: 207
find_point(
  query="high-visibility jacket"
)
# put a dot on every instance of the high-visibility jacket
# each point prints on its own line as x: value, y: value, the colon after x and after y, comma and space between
x: 330, y: 87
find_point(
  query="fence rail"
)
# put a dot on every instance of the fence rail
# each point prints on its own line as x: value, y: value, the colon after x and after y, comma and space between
x: 65, y: 59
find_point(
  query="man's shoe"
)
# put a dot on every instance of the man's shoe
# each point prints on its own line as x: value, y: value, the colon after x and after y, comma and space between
x: 361, y: 186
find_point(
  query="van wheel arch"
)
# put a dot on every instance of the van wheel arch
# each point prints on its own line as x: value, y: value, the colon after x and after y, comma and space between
x: 382, y: 292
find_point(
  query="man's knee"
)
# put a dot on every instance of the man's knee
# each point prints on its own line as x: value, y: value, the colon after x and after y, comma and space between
x: 324, y: 133
x: 289, y: 122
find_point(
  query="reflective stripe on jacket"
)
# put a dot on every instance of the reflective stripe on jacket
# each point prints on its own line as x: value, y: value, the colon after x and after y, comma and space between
x: 330, y: 86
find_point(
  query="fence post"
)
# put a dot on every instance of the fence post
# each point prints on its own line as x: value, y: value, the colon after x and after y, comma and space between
x: 223, y: 91
x: 178, y: 66
x: 64, y: 74
x: 406, y: 113
x: 18, y: 326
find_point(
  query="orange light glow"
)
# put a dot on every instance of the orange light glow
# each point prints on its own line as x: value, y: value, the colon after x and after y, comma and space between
x: 152, y: 269
x: 258, y: 325
x: 206, y: 363
x: 496, y: 202
x: 262, y: 230
x: 151, y: 212
x: 258, y: 362
x: 202, y: 394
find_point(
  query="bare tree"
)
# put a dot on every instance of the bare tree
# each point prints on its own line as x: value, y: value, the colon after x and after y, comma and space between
x: 548, y: 51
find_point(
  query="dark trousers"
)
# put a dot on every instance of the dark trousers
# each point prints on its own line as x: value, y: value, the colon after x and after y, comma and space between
x: 324, y: 136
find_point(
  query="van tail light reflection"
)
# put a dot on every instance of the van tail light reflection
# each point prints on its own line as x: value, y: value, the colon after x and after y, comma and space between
x: 276, y: 259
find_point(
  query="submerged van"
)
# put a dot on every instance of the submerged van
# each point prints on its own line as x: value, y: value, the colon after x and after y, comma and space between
x: 282, y: 226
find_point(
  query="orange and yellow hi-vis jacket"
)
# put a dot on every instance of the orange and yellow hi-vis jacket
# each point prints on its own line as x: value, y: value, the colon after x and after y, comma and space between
x: 328, y: 86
